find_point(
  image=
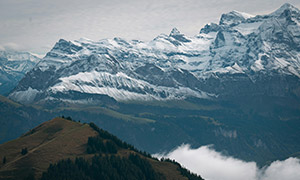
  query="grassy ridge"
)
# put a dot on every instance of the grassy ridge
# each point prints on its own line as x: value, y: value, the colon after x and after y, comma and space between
x: 60, y: 139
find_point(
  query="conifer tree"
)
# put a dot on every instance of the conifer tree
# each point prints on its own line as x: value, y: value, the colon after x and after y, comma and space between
x: 24, y: 151
x: 4, y: 160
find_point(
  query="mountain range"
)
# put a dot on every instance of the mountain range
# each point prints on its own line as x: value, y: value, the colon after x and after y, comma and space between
x: 242, y: 55
x: 234, y: 85
x: 13, y: 67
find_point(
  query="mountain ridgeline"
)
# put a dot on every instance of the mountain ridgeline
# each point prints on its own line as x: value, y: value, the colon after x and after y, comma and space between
x: 65, y: 149
x: 243, y: 55
x: 235, y: 85
x: 13, y: 67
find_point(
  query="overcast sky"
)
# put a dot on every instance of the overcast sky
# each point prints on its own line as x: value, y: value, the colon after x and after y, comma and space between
x: 35, y: 25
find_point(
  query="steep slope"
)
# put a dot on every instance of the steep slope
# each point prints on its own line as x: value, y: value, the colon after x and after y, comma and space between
x: 242, y: 55
x: 16, y: 118
x: 59, y: 139
x: 13, y: 66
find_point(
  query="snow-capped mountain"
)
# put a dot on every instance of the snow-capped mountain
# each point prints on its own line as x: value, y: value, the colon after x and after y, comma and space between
x: 242, y: 55
x: 13, y: 66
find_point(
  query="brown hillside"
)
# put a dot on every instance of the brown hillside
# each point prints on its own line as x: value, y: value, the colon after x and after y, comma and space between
x: 48, y: 143
x: 55, y: 140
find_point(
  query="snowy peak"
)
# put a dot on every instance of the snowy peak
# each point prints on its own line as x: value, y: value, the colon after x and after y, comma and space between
x: 18, y: 56
x: 66, y: 47
x: 234, y: 17
x: 171, y: 66
x: 17, y: 61
x: 61, y: 54
x: 284, y: 8
x: 175, y: 32
x: 283, y: 27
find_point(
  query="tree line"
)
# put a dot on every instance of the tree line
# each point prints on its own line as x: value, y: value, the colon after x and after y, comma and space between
x: 103, y: 167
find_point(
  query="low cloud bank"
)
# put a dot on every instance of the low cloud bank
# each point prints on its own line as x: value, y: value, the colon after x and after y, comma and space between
x: 213, y: 165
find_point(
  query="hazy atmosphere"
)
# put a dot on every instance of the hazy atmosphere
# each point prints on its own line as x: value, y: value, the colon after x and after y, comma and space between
x: 35, y: 26
x: 92, y: 89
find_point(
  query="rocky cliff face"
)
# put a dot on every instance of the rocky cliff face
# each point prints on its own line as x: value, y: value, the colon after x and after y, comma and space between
x: 242, y: 55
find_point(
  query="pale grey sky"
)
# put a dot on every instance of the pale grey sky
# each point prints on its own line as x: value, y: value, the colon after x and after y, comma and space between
x: 35, y: 25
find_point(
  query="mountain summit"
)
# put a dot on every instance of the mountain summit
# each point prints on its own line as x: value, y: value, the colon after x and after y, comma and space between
x: 234, y: 17
x: 252, y: 55
x: 285, y: 7
x: 175, y: 32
